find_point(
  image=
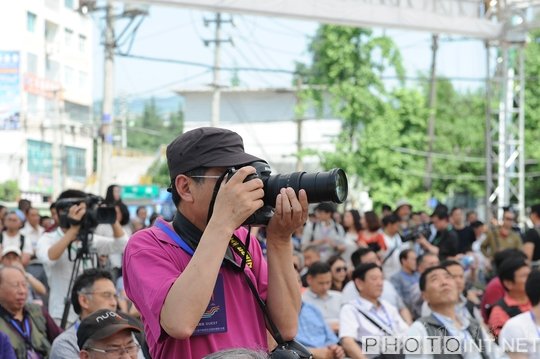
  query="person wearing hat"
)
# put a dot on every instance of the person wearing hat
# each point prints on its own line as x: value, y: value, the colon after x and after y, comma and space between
x: 11, y: 256
x: 188, y: 278
x: 105, y: 333
x: 324, y: 232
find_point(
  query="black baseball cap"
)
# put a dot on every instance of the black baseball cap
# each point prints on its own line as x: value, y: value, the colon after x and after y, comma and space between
x: 206, y: 147
x: 102, y: 324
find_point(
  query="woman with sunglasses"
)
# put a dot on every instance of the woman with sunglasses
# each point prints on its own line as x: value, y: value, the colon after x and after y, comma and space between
x: 339, y: 270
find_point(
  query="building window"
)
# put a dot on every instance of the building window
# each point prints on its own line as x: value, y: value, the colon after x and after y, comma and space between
x: 83, y: 80
x: 75, y: 162
x: 30, y: 21
x: 39, y: 157
x: 68, y: 36
x: 31, y: 63
x: 82, y: 43
x: 69, y: 4
x: 69, y: 75
x: 31, y: 104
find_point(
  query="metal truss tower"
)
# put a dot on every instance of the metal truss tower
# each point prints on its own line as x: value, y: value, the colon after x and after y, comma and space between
x: 505, y: 113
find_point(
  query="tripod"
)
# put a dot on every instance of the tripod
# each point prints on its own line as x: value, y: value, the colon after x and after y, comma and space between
x: 84, y: 253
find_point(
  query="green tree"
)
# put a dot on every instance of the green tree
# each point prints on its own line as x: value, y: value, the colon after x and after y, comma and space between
x: 9, y: 191
x: 532, y: 116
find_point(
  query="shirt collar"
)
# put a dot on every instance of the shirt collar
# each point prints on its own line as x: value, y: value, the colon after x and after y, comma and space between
x: 447, y: 321
x: 366, y: 304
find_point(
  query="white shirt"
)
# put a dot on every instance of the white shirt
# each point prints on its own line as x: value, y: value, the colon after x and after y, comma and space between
x: 355, y: 325
x: 329, y: 305
x: 392, y: 265
x: 389, y: 294
x: 32, y: 234
x: 59, y: 271
x: 106, y: 230
x: 15, y: 241
x: 521, y: 326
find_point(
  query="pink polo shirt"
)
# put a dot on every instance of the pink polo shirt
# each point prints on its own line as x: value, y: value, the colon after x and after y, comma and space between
x: 153, y: 262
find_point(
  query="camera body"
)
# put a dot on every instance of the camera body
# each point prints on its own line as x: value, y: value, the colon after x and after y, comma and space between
x: 96, y: 212
x: 320, y: 186
x: 416, y: 232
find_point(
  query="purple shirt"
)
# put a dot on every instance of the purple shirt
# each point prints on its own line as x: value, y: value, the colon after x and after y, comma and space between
x: 153, y: 262
x: 6, y: 350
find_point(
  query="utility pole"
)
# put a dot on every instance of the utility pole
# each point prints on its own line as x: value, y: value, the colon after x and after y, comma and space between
x: 299, y: 123
x: 216, y: 95
x: 432, y: 105
x: 57, y: 180
x: 108, y: 100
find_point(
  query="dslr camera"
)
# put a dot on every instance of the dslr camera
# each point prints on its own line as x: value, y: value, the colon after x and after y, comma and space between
x: 96, y: 213
x: 320, y: 187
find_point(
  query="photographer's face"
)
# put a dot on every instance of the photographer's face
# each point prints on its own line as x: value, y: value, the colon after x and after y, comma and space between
x: 202, y: 190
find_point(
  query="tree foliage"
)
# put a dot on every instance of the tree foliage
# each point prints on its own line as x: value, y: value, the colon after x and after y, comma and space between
x: 151, y: 129
x: 9, y: 191
x: 532, y: 116
x: 151, y: 132
x: 382, y: 124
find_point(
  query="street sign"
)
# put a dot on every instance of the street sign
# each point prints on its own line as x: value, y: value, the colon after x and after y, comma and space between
x: 140, y: 192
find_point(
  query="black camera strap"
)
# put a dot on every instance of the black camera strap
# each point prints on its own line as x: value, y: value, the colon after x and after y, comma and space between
x: 242, y: 250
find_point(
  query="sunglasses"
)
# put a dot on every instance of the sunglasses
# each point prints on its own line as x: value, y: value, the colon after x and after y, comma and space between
x: 341, y: 269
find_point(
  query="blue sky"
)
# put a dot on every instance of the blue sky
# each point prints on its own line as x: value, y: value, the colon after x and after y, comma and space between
x: 260, y: 42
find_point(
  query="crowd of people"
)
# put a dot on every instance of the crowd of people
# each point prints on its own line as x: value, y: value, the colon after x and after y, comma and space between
x: 313, y: 280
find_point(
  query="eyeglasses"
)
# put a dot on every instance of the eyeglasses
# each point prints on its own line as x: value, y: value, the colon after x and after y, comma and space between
x: 215, y: 177
x: 341, y: 269
x: 131, y: 350
x: 106, y: 295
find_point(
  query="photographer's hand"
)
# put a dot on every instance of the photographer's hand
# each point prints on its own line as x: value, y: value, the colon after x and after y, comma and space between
x: 118, y: 231
x: 283, y: 298
x: 75, y: 213
x: 237, y: 200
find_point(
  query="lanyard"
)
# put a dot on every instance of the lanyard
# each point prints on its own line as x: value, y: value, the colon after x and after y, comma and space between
x: 234, y: 242
x: 388, y: 321
x: 24, y: 333
x: 534, y: 322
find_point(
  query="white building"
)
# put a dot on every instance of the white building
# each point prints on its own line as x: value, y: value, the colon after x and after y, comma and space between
x: 45, y: 95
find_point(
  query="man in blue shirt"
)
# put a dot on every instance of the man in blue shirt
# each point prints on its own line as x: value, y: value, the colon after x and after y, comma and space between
x: 315, y: 334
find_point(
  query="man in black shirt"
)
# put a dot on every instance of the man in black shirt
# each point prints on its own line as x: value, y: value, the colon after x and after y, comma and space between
x: 446, y: 241
x: 531, y: 247
x: 465, y: 233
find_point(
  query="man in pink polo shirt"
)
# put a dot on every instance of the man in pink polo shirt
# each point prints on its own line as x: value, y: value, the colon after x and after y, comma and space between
x: 188, y: 278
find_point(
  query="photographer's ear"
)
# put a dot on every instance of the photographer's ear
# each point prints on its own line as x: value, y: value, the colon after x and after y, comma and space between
x: 182, y: 187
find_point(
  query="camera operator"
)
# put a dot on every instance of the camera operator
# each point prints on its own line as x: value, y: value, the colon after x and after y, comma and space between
x: 53, y: 250
x: 446, y: 241
x: 186, y: 278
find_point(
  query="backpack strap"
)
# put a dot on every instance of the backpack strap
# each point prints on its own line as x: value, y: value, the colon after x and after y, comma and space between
x: 313, y: 231
x: 511, y: 310
x: 22, y: 241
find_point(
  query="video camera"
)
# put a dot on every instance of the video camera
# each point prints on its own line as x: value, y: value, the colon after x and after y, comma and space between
x: 320, y: 186
x: 96, y: 213
x: 416, y: 232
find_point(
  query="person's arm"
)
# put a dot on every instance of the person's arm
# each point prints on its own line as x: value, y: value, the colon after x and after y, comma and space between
x: 36, y: 285
x: 352, y: 349
x: 406, y: 315
x: 428, y: 247
x: 189, y: 295
x: 25, y: 258
x: 528, y: 249
x: 75, y: 212
x: 283, y: 298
